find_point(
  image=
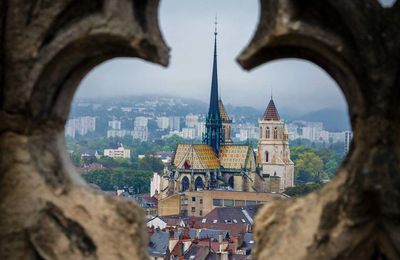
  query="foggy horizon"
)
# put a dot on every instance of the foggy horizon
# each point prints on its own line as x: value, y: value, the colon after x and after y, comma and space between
x: 297, y: 85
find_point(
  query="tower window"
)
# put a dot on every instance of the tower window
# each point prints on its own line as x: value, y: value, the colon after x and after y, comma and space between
x: 266, y: 156
x: 267, y: 133
x: 275, y: 133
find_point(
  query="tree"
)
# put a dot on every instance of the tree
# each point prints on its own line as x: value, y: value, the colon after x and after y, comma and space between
x: 150, y: 162
x: 107, y: 162
x: 308, y: 167
x: 171, y: 142
x: 303, y: 189
x: 109, y: 179
x: 75, y: 158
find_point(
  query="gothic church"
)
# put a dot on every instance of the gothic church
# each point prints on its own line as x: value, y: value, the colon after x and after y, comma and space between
x: 217, y: 163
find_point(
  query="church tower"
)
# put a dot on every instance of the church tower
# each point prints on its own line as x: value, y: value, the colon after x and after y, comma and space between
x: 226, y: 122
x: 214, y: 135
x: 273, y: 147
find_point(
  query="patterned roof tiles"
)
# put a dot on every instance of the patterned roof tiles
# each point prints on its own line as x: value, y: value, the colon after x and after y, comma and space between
x: 196, y: 156
x: 202, y: 156
x: 271, y: 113
x: 234, y: 156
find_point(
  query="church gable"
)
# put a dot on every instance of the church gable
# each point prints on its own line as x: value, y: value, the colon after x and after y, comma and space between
x: 189, y: 156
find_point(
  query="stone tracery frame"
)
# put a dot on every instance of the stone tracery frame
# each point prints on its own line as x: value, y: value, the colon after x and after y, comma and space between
x: 358, y: 44
x: 46, y: 48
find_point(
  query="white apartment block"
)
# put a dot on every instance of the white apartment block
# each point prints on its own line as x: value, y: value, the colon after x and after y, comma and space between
x: 162, y: 122
x: 191, y: 120
x: 305, y: 130
x: 247, y: 132
x: 200, y: 129
x: 141, y: 133
x: 189, y: 133
x: 80, y: 125
x: 336, y: 137
x: 118, y: 133
x: 114, y: 125
x: 120, y: 152
x: 174, y: 123
x: 348, y: 136
x: 140, y: 121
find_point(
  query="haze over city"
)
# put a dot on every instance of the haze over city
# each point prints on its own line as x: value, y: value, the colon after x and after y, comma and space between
x: 296, y: 85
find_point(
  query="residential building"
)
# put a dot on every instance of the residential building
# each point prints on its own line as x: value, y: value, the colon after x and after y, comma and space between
x: 191, y: 120
x: 200, y: 203
x: 80, y: 126
x: 348, y: 137
x: 140, y: 121
x: 140, y: 132
x: 118, y: 133
x: 189, y: 133
x: 114, y: 124
x: 200, y: 130
x: 120, y: 152
x: 155, y: 184
x: 162, y: 122
x: 174, y: 123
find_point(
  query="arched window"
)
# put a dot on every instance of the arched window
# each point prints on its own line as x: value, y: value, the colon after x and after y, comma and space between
x: 266, y: 156
x: 261, y: 132
x: 185, y: 184
x: 267, y: 133
x: 275, y: 133
x: 198, y: 183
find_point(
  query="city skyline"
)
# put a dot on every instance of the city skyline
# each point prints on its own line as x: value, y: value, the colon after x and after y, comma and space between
x: 308, y: 87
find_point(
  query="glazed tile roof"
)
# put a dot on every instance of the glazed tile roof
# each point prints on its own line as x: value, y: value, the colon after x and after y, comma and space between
x: 196, y: 156
x: 203, y: 157
x: 224, y: 115
x: 271, y: 113
x: 235, y: 156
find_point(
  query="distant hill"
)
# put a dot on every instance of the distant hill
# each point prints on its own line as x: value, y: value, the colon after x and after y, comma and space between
x: 334, y: 120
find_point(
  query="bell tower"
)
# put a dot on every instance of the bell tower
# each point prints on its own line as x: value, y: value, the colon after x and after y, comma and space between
x: 273, y: 147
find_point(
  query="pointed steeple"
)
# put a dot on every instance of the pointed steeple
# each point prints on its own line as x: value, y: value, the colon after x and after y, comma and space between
x: 214, y: 135
x: 271, y: 113
x: 214, y: 81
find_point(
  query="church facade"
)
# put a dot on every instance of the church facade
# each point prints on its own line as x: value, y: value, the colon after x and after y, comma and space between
x: 273, y: 155
x: 220, y: 164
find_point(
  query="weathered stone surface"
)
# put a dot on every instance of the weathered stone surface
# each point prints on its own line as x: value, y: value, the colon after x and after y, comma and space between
x: 46, y: 47
x: 357, y: 215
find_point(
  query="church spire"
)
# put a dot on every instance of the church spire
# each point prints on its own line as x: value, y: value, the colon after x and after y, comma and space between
x: 214, y: 136
x: 214, y: 81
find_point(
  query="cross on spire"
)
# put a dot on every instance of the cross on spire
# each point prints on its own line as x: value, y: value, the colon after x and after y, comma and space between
x: 215, y: 25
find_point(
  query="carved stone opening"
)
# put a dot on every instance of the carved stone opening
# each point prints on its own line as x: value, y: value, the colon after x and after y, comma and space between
x: 46, y: 48
x: 354, y: 217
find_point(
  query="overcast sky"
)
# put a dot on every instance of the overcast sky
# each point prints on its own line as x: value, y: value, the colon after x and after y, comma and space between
x: 188, y: 27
